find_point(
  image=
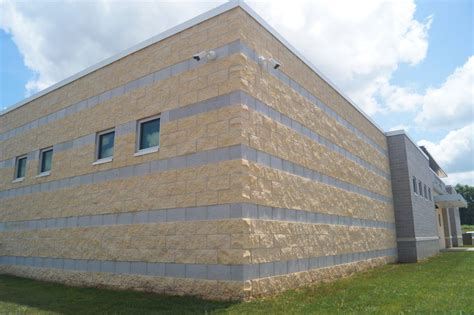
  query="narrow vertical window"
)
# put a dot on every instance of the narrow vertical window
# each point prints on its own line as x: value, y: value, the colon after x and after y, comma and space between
x: 46, y: 160
x: 148, y: 133
x: 426, y: 191
x: 105, y: 145
x: 414, y: 185
x: 420, y: 188
x: 20, y: 167
x: 429, y: 193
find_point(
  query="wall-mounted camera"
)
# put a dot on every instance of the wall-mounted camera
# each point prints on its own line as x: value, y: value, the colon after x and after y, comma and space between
x: 209, y: 55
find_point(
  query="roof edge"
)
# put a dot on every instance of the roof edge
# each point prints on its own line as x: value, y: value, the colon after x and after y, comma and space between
x: 403, y: 132
x: 277, y: 35
x: 179, y: 28
x: 168, y: 33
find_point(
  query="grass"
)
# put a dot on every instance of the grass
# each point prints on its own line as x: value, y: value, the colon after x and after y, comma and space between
x: 443, y: 284
x: 466, y: 228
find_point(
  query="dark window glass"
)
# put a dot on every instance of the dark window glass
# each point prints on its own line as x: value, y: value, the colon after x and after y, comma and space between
x: 414, y: 185
x: 429, y: 193
x: 46, y: 160
x: 420, y: 188
x: 21, y: 167
x: 149, y: 134
x: 105, y: 147
x: 426, y: 193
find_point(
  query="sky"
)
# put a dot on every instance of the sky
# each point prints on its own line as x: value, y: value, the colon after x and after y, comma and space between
x: 408, y: 64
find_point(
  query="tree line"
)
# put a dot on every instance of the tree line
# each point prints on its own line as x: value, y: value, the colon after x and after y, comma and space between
x: 466, y: 214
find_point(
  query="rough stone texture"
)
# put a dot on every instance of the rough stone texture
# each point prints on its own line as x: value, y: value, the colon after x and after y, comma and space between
x: 267, y: 45
x: 272, y: 285
x: 144, y: 102
x: 287, y: 101
x: 186, y: 187
x: 276, y: 188
x: 178, y: 242
x: 228, y: 241
x: 269, y: 136
x: 209, y: 34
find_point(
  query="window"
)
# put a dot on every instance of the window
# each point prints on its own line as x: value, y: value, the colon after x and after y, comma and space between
x: 149, y: 133
x: 429, y: 193
x: 414, y: 185
x: 420, y: 188
x: 46, y: 160
x: 426, y: 191
x: 105, y: 145
x: 439, y: 219
x: 20, y: 167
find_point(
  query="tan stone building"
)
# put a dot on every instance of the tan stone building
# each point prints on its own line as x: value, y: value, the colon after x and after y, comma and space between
x: 211, y: 160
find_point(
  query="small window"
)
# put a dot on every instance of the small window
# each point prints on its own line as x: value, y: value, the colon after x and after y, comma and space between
x: 439, y: 219
x: 426, y: 191
x: 149, y: 133
x: 46, y: 160
x: 420, y: 188
x: 20, y: 167
x: 429, y: 193
x: 414, y: 185
x: 105, y: 144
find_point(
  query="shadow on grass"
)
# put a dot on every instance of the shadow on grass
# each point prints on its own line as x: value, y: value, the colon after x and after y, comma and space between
x: 19, y: 295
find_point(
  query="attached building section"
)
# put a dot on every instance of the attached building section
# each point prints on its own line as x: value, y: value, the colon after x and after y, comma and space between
x: 421, y: 200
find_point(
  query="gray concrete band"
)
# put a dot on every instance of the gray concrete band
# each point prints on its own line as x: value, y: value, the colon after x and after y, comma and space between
x: 165, y: 73
x: 214, y: 103
x: 202, y: 213
x: 149, y: 79
x: 191, y: 160
x: 240, y: 272
x: 312, y: 98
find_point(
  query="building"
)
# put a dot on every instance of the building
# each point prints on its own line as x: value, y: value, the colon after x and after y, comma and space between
x: 426, y: 210
x: 211, y: 160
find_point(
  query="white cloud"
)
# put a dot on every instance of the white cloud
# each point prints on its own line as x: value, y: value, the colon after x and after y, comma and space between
x: 58, y: 39
x: 455, y: 152
x: 452, y: 104
x: 358, y: 47
x: 464, y: 178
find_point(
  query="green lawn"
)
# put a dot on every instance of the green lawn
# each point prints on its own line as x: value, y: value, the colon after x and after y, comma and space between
x: 444, y: 284
x: 466, y: 228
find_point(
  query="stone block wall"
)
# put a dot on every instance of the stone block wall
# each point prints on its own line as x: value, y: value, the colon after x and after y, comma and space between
x: 319, y: 172
x: 264, y: 180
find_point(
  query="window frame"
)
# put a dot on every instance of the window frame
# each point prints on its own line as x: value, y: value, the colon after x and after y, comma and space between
x: 98, y: 160
x: 40, y: 166
x: 429, y: 194
x: 415, y: 183
x: 425, y: 189
x: 140, y: 122
x: 17, y: 164
x: 420, y: 188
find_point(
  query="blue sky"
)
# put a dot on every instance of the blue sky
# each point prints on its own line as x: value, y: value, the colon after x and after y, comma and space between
x: 13, y: 72
x: 406, y: 63
x: 451, y: 43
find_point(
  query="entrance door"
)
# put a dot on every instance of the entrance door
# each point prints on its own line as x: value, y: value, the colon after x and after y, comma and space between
x: 439, y: 219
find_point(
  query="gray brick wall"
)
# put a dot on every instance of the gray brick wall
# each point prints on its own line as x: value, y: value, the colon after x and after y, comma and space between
x: 455, y: 222
x: 415, y: 214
